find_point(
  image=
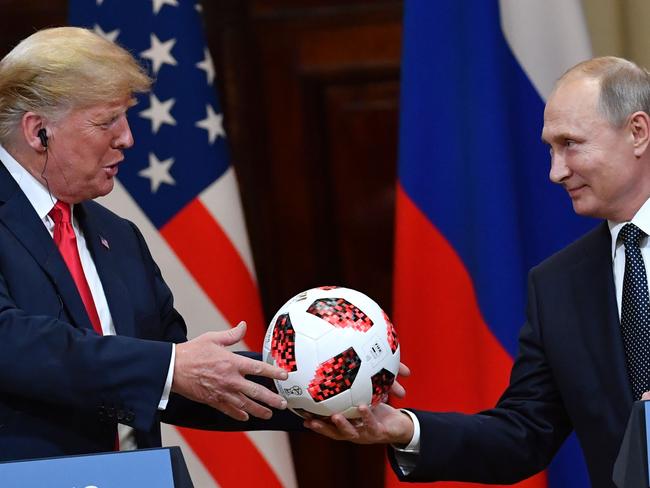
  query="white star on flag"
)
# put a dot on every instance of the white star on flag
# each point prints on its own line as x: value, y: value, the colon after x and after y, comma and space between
x: 99, y: 2
x: 158, y: 4
x: 207, y: 65
x: 158, y: 172
x: 158, y: 112
x: 111, y: 36
x: 213, y: 123
x: 160, y: 52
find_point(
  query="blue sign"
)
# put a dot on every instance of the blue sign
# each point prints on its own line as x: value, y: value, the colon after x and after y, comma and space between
x: 134, y: 469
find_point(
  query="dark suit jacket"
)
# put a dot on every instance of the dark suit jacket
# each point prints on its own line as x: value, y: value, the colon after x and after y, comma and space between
x: 569, y: 374
x: 63, y: 387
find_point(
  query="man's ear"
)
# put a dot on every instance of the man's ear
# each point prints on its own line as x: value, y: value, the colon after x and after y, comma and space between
x: 31, y: 124
x: 640, y: 126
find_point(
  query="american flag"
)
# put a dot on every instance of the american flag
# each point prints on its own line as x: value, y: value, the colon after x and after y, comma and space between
x: 178, y: 186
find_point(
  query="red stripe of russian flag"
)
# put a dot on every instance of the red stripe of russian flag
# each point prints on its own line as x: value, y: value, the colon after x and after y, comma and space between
x: 456, y: 363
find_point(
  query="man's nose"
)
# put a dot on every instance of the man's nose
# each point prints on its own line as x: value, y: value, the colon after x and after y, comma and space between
x: 559, y: 169
x: 124, y: 139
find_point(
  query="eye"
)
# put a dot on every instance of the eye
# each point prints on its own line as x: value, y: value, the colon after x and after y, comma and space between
x: 569, y: 142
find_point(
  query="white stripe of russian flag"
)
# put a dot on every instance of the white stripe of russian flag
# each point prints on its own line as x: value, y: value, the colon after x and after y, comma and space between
x: 547, y: 38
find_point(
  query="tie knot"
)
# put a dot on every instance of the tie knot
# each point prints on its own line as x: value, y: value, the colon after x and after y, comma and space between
x: 631, y: 235
x: 60, y: 213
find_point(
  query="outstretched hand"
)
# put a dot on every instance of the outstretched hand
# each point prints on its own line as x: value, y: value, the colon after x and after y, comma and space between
x: 381, y: 424
x: 205, y: 371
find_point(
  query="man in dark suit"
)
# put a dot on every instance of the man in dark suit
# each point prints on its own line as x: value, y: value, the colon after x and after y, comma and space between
x: 89, y: 337
x: 584, y: 351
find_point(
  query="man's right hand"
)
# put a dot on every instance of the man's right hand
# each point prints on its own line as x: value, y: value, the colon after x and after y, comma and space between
x: 381, y: 424
x: 205, y: 371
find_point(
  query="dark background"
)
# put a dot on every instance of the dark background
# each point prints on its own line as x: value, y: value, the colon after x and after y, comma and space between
x: 310, y: 93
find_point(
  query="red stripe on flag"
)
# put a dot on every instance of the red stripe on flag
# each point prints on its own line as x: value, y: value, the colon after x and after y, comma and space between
x: 456, y: 362
x: 205, y: 250
x: 231, y: 458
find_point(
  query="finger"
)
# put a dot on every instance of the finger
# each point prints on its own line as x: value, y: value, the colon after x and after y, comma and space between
x: 326, y: 429
x: 223, y: 399
x: 261, y: 394
x: 255, y: 409
x: 646, y: 396
x: 344, y: 426
x: 231, y: 411
x: 403, y: 370
x: 231, y: 336
x: 397, y: 390
x: 369, y: 420
x: 260, y: 368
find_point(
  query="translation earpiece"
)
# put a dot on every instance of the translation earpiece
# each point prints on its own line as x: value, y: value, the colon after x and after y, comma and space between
x: 42, y: 135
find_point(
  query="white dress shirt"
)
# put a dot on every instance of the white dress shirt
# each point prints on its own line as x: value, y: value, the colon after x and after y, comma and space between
x: 43, y: 201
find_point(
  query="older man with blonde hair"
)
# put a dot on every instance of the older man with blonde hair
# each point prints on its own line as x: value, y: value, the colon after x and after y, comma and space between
x: 89, y: 337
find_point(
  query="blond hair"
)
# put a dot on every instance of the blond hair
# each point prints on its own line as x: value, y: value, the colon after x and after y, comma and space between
x: 63, y: 68
x: 624, y: 86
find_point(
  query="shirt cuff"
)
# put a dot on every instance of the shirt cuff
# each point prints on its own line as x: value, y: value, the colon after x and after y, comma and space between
x: 414, y: 445
x: 162, y: 405
x: 407, y: 457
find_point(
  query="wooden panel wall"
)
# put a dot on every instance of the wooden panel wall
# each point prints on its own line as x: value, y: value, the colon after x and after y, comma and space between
x: 310, y: 93
x: 311, y: 99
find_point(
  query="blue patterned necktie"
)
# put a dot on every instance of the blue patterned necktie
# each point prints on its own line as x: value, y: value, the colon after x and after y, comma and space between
x: 635, y: 313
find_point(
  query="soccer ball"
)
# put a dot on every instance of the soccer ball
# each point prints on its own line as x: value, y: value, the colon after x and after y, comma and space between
x: 339, y: 348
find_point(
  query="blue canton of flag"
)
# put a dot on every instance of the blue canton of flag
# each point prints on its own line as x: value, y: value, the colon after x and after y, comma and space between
x: 178, y: 126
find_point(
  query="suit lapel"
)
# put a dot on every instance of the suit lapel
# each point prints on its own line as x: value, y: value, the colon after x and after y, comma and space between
x: 98, y: 240
x: 20, y: 218
x: 598, y: 317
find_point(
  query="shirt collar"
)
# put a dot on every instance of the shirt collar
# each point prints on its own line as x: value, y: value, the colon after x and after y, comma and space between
x: 39, y: 196
x: 641, y: 219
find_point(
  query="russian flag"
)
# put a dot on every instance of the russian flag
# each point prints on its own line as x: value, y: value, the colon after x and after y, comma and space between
x: 475, y: 208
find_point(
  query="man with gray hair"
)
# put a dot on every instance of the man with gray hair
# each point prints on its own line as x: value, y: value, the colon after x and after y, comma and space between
x: 584, y: 351
x: 89, y: 337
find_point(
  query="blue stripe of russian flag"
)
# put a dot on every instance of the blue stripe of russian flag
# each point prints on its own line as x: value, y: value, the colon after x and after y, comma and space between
x: 474, y: 201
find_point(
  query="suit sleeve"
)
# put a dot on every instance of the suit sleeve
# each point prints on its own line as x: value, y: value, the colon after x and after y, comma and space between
x: 46, y: 360
x: 508, y: 443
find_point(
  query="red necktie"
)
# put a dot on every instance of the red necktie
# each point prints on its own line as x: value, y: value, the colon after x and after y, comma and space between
x: 66, y: 241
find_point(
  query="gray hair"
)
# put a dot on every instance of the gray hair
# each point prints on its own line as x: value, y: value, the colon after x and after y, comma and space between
x: 624, y: 86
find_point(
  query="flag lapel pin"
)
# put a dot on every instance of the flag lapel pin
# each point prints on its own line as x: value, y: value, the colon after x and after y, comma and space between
x: 104, y: 242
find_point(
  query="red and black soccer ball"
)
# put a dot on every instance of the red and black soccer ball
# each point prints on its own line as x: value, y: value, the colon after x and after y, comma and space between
x: 339, y: 348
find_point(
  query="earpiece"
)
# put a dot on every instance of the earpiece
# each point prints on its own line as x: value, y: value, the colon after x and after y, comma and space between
x: 42, y: 135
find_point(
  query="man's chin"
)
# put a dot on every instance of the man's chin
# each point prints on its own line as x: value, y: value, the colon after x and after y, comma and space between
x: 584, y: 208
x: 105, y: 189
x: 588, y: 209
